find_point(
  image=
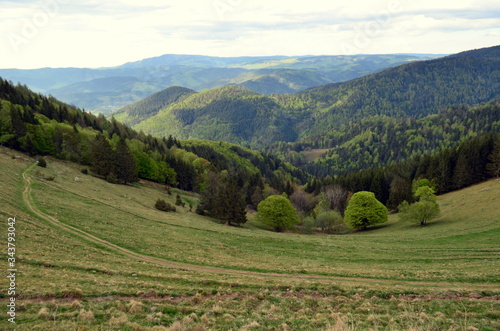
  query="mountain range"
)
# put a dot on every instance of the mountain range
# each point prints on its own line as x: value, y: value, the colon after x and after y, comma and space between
x: 323, y: 117
x: 107, y: 89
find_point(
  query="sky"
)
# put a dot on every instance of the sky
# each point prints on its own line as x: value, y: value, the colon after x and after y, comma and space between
x: 96, y: 33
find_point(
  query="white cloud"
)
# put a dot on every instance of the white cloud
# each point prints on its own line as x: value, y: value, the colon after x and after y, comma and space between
x: 96, y: 33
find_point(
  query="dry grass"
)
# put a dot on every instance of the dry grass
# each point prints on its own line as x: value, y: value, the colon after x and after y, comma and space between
x: 395, y: 277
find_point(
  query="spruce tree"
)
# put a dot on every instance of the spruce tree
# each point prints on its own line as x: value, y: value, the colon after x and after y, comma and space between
x: 494, y: 158
x: 102, y: 156
x: 125, y: 166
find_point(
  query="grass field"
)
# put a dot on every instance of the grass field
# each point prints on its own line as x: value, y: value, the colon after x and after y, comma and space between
x: 96, y: 256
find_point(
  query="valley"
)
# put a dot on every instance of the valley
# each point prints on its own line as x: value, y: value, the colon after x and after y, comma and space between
x: 122, y: 252
x: 365, y: 204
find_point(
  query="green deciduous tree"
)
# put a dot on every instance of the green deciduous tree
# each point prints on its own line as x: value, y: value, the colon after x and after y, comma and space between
x: 364, y: 210
x: 425, y: 209
x: 277, y: 212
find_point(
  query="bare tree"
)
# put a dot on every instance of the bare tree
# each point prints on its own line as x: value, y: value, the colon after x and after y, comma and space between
x: 336, y: 196
x: 302, y: 201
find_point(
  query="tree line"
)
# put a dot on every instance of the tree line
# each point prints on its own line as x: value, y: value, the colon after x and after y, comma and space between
x: 471, y: 162
x: 42, y: 125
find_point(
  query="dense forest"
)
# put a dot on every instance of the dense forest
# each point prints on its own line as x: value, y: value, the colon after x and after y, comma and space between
x: 41, y: 125
x: 414, y: 90
x: 471, y: 162
x: 381, y: 140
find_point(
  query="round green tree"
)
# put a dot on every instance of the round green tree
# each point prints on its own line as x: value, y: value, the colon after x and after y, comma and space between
x: 425, y: 209
x: 364, y: 210
x: 277, y: 212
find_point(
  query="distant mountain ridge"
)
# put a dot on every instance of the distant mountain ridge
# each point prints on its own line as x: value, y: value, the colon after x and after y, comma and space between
x: 407, y: 92
x: 136, y: 80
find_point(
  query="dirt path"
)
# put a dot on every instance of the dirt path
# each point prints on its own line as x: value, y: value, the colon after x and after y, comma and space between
x: 28, y: 199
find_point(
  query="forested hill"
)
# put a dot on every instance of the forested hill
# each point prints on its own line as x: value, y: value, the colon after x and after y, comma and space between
x: 412, y: 90
x: 108, y: 89
x: 41, y: 125
x: 148, y: 107
x: 380, y: 140
x: 415, y: 89
x: 229, y: 113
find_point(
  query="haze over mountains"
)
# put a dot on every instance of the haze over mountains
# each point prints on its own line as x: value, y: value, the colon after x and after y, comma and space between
x: 107, y: 89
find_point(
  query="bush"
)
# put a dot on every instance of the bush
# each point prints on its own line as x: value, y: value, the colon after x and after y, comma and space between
x: 329, y: 220
x: 42, y: 163
x: 85, y: 171
x: 178, y: 201
x: 111, y: 178
x: 164, y: 206
x: 308, y: 226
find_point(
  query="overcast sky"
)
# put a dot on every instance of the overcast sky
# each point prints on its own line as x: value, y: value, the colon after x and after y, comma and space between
x: 97, y: 33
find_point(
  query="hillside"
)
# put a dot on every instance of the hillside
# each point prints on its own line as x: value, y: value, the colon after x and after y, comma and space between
x: 407, y: 92
x: 228, y: 113
x: 415, y: 89
x: 380, y: 140
x: 96, y: 255
x: 84, y: 88
x: 41, y: 125
x: 148, y: 107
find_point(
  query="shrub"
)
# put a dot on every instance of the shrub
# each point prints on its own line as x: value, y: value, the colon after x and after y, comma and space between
x: 111, y: 178
x: 308, y: 226
x: 85, y: 171
x: 164, y: 206
x: 42, y: 163
x: 328, y: 220
x: 178, y: 201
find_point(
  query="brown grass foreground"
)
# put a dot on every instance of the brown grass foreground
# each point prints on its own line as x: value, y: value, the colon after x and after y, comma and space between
x: 91, y: 255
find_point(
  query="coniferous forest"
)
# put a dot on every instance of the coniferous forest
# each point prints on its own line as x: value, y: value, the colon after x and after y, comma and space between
x: 352, y: 137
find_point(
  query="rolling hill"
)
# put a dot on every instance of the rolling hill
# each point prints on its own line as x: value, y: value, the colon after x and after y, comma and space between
x: 228, y: 113
x: 409, y: 91
x: 84, y: 88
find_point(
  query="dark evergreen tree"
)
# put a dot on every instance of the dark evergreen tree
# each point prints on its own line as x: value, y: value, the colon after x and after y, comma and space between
x: 493, y: 166
x: 125, y: 166
x: 102, y: 156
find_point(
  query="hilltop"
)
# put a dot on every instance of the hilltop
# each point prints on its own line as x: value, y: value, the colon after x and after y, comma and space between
x: 108, y: 89
x: 344, y: 119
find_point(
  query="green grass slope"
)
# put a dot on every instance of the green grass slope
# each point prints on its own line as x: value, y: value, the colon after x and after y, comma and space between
x: 98, y: 256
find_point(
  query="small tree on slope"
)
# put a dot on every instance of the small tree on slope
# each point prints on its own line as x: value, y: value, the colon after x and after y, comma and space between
x: 364, y: 210
x: 425, y: 209
x: 277, y: 212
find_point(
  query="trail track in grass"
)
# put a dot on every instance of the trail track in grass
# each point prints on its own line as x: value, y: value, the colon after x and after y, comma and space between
x: 28, y: 200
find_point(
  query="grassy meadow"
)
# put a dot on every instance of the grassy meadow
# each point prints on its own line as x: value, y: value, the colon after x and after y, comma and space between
x: 96, y: 256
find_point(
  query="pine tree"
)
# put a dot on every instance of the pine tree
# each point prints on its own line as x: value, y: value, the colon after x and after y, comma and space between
x: 462, y: 175
x: 125, y: 166
x: 494, y: 166
x: 233, y: 203
x: 102, y: 156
